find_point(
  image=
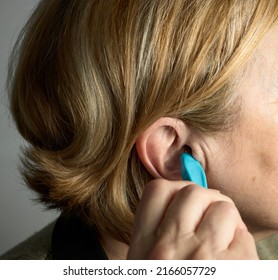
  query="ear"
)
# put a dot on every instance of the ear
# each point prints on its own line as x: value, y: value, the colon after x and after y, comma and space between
x: 161, y: 145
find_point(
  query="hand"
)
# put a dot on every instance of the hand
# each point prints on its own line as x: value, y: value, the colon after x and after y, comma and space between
x: 179, y: 220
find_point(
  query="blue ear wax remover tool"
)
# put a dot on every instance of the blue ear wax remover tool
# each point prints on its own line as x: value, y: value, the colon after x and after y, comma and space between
x: 191, y: 170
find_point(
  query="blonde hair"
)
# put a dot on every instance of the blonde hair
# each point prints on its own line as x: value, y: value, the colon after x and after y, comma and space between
x: 88, y: 76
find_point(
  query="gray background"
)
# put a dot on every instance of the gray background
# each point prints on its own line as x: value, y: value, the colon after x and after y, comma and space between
x: 19, y: 215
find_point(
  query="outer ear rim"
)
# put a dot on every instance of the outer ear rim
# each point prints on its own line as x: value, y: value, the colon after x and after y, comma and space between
x: 155, y: 156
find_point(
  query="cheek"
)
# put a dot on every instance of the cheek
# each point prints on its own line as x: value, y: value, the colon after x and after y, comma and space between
x: 266, y: 162
x: 235, y: 173
x: 250, y: 180
x: 265, y: 156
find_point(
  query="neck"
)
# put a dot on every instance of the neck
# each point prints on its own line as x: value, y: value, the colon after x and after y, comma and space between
x: 261, y: 234
x: 114, y: 250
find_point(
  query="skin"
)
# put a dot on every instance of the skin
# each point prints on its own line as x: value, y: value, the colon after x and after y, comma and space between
x: 188, y: 222
x: 178, y: 220
x: 249, y: 163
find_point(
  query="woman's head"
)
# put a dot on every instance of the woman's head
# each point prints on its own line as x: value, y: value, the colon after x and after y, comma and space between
x: 89, y: 77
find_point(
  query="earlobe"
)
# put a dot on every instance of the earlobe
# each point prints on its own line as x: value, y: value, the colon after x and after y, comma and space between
x: 160, y: 146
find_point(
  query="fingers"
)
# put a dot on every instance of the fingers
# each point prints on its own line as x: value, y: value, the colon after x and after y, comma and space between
x: 150, y: 211
x: 195, y: 218
x: 155, y: 200
x: 178, y: 220
x: 217, y: 227
x: 242, y: 247
x: 157, y: 197
x: 188, y: 207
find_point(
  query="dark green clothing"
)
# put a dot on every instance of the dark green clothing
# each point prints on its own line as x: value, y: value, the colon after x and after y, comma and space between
x: 71, y: 240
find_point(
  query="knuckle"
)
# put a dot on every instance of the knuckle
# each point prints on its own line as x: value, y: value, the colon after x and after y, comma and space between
x: 247, y: 236
x: 192, y: 191
x: 228, y: 199
x: 156, y: 185
x: 228, y: 208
